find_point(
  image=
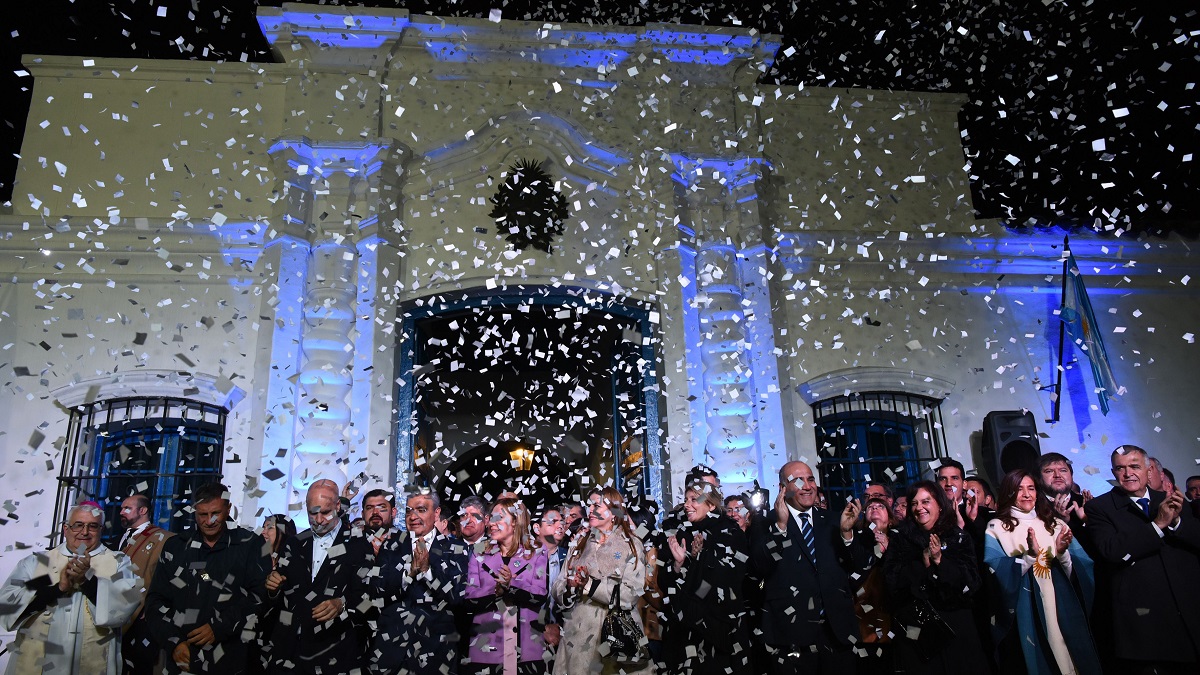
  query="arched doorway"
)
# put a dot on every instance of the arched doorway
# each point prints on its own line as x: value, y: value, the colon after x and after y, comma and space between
x: 568, y: 374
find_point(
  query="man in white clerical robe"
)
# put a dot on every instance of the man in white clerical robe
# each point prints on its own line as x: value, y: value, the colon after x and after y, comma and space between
x: 67, y: 605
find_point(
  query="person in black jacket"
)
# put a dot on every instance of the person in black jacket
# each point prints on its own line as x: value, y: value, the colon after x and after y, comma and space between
x: 207, y: 588
x: 701, y: 586
x: 421, y: 577
x: 319, y: 588
x: 808, y: 621
x: 930, y: 562
x: 1147, y: 545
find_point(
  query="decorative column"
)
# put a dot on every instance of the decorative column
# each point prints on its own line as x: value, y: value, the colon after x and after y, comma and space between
x: 734, y: 337
x: 333, y: 204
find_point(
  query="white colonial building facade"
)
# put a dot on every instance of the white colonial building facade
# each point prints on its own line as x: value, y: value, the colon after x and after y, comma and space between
x: 272, y: 273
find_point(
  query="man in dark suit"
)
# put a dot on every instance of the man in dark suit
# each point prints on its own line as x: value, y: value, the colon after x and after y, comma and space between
x: 320, y: 588
x: 420, y: 579
x: 1056, y: 480
x: 1193, y: 494
x: 1147, y: 545
x: 808, y: 621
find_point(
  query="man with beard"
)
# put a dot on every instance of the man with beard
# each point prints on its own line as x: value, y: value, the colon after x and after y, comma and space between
x: 1056, y: 478
x: 420, y: 579
x: 67, y: 604
x: 379, y: 512
x: 207, y: 587
x: 143, y: 543
x: 319, y: 586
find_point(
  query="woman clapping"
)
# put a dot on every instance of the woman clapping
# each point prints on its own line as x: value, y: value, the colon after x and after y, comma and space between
x: 1046, y: 581
x: 931, y: 575
x: 506, y: 590
x: 605, y: 566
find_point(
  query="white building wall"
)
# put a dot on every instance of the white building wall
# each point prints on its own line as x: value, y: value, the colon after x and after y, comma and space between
x: 149, y: 203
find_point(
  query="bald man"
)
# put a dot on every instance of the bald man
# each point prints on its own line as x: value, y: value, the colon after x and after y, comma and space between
x: 320, y: 588
x: 801, y: 554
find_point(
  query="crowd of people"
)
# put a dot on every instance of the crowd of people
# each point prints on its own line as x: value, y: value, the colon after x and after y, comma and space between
x: 945, y: 576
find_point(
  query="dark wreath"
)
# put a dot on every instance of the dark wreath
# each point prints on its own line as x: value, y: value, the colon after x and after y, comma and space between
x: 528, y: 210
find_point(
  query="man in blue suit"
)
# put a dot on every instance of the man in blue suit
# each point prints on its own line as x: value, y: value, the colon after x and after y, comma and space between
x: 420, y: 579
x: 1147, y: 544
x: 808, y: 620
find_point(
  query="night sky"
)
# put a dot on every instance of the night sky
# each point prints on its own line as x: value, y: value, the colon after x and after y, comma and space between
x: 1081, y: 114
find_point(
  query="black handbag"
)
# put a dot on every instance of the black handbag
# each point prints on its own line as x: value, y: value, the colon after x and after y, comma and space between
x: 920, y: 623
x: 623, y: 636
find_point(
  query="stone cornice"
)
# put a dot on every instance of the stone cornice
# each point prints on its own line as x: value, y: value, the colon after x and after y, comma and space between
x: 174, y: 72
x: 864, y: 379
x: 201, y: 387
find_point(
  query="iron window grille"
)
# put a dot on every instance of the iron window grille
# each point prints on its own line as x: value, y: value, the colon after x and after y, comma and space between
x: 885, y: 437
x: 162, y: 447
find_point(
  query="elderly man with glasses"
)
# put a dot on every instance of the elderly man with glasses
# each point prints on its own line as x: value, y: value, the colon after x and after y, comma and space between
x: 67, y: 605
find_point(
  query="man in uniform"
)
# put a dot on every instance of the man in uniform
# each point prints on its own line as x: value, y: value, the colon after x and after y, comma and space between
x: 143, y: 543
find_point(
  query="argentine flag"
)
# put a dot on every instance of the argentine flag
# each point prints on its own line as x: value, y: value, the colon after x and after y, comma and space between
x: 1080, y: 322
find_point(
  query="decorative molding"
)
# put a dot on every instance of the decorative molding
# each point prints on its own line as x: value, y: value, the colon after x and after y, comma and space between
x: 863, y: 379
x: 202, y: 387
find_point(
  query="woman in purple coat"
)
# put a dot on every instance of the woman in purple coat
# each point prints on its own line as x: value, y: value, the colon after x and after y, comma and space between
x: 506, y: 591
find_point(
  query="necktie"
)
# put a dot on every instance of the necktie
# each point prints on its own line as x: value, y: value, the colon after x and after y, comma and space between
x: 810, y: 541
x: 1144, y: 502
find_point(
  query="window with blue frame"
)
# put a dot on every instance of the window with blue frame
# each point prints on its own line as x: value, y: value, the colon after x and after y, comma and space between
x: 163, y: 448
x: 876, y: 436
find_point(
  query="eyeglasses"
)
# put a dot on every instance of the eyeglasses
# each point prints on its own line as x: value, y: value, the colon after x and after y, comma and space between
x: 80, y: 527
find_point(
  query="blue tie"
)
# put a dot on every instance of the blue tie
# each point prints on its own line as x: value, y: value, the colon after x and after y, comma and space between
x: 810, y: 541
x: 1144, y: 502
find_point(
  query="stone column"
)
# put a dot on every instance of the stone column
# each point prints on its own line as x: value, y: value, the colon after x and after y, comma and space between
x: 338, y: 201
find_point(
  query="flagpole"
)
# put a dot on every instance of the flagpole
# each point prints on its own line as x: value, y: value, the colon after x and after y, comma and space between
x: 1062, y: 329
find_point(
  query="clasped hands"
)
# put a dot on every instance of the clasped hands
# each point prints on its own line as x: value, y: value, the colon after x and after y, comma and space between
x: 74, y: 572
x: 322, y: 612
x: 182, y: 655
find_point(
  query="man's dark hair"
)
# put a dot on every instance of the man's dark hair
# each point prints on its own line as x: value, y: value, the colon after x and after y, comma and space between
x: 475, y: 501
x: 1053, y: 457
x: 887, y: 490
x: 141, y: 501
x: 1190, y: 479
x: 210, y: 492
x: 987, y: 487
x: 739, y: 497
x: 699, y: 473
x: 380, y: 492
x: 954, y: 464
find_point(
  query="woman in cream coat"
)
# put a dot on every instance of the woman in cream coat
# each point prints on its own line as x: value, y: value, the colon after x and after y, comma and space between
x: 602, y: 559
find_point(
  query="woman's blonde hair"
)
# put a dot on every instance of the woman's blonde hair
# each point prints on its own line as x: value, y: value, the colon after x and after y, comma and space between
x: 520, y: 515
x: 616, y: 505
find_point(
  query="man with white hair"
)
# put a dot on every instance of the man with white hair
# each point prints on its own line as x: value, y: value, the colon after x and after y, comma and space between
x: 67, y: 605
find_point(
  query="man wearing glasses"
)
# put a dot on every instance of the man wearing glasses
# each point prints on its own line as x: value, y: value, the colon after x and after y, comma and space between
x: 68, y: 604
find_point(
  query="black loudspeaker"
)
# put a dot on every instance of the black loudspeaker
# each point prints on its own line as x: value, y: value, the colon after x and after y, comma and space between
x: 1010, y: 441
